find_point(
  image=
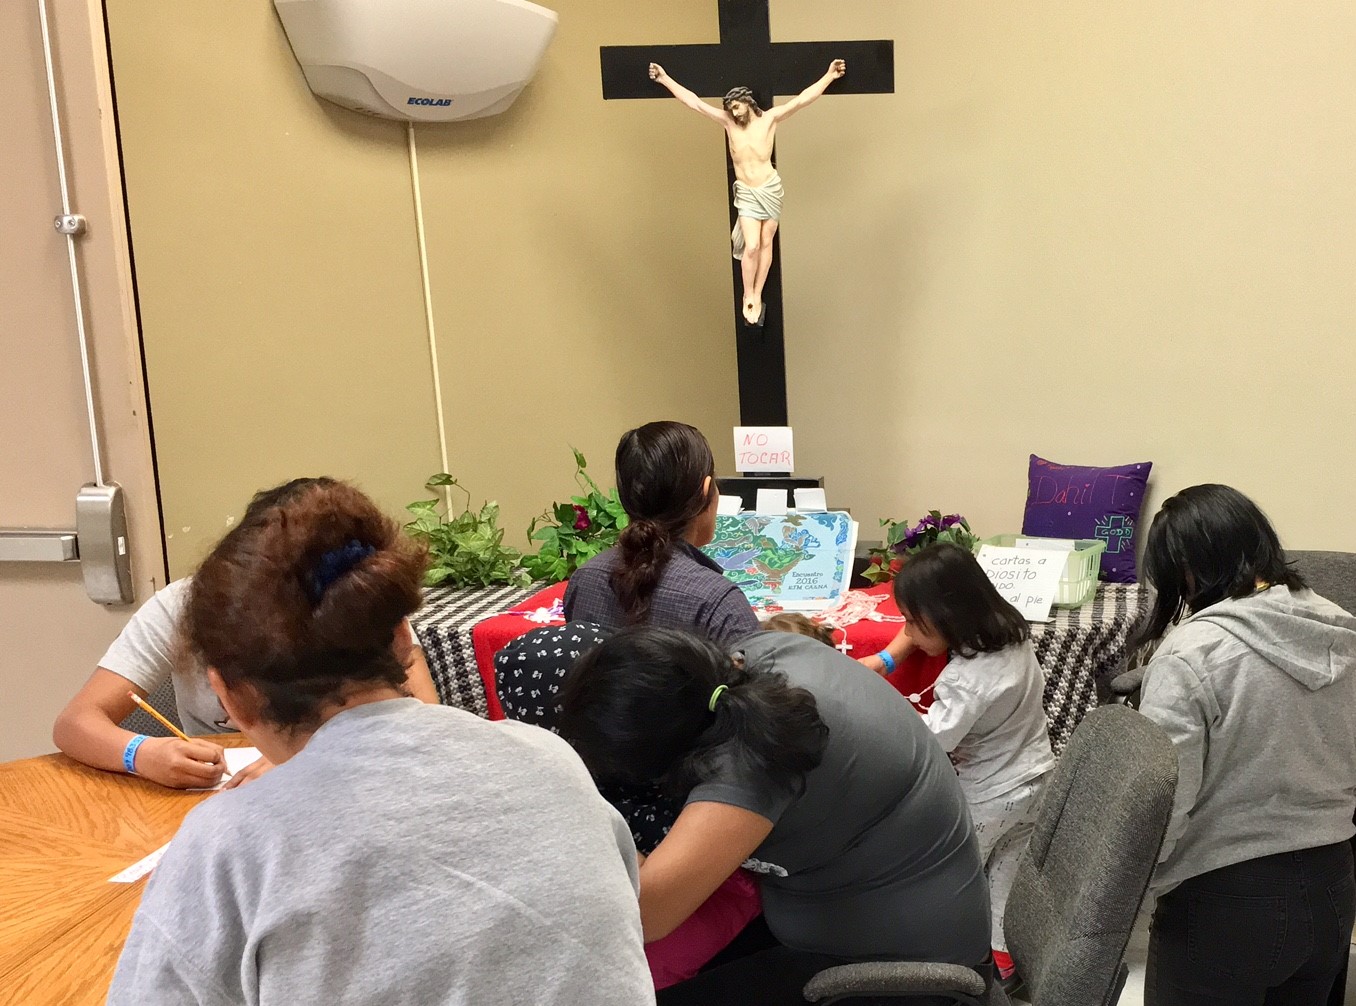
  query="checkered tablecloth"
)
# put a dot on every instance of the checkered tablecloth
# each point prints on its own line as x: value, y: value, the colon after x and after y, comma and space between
x: 1079, y: 649
x: 444, y: 626
x: 1082, y: 649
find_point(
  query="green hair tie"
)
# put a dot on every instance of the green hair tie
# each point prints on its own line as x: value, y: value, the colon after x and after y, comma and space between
x: 716, y: 695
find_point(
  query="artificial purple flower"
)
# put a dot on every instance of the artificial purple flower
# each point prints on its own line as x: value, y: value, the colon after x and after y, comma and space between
x: 951, y: 520
x: 911, y: 537
x: 581, y: 518
x: 928, y: 521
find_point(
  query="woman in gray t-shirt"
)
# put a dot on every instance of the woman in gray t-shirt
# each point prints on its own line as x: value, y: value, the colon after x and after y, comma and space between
x: 796, y: 757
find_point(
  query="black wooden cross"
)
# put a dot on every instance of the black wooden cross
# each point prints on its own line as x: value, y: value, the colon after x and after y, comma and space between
x: 747, y: 55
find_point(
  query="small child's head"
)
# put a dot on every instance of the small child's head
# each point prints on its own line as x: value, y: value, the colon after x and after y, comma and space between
x: 951, y: 605
x: 790, y: 621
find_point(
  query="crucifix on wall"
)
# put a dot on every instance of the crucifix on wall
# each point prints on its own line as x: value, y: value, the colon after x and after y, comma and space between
x: 748, y: 68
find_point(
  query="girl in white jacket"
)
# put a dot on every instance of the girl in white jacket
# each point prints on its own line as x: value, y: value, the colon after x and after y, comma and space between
x: 986, y: 710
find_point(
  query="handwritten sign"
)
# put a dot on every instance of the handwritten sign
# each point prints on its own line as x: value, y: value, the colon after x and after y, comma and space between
x: 1027, y: 578
x: 763, y: 449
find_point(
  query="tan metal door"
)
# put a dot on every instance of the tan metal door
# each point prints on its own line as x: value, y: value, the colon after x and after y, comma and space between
x: 51, y: 633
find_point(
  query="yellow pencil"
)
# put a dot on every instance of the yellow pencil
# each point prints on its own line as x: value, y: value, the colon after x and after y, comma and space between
x: 146, y: 707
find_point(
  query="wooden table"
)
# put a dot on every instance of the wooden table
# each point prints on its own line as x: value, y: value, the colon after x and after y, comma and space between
x: 65, y: 829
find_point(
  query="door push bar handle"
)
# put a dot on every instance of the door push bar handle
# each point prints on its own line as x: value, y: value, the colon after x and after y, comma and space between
x: 98, y: 543
x: 38, y: 546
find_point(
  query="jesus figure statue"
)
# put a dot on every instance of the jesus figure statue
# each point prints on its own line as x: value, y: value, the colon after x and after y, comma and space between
x: 757, y: 188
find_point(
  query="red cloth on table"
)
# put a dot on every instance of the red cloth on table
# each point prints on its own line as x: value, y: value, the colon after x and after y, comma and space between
x: 490, y: 635
x: 915, y: 672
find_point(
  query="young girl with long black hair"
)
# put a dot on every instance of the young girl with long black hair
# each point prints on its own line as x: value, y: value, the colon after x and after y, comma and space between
x: 1254, y: 683
x: 986, y: 710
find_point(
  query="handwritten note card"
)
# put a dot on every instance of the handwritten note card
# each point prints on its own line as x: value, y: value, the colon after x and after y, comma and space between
x: 140, y: 868
x: 1028, y: 578
x: 763, y: 449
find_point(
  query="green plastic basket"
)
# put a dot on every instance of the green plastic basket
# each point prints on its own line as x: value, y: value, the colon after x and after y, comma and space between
x: 1079, y: 581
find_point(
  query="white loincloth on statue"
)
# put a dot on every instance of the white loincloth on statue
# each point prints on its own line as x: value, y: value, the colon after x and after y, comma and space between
x: 763, y: 202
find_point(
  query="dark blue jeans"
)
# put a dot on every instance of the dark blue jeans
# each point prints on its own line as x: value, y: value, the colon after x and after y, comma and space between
x: 1273, y: 931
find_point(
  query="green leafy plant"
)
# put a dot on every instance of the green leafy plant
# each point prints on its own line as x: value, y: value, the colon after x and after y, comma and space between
x: 573, y: 533
x: 465, y: 550
x: 903, y: 540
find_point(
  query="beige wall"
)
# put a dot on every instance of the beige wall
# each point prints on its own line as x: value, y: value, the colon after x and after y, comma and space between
x: 1102, y: 232
x: 1106, y: 234
x: 279, y: 277
x: 53, y: 634
x: 276, y: 266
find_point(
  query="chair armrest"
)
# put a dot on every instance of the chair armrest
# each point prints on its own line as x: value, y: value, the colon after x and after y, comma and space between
x: 1127, y: 683
x: 893, y: 978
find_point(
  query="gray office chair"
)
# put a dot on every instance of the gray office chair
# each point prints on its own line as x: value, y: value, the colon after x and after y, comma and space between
x: 1332, y: 574
x: 162, y: 700
x: 1079, y: 886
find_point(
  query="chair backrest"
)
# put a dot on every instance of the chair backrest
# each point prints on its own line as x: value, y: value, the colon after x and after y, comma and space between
x: 1079, y: 887
x: 1332, y: 574
x: 163, y: 701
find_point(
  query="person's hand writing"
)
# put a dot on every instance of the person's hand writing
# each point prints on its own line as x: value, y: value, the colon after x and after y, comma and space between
x: 180, y: 764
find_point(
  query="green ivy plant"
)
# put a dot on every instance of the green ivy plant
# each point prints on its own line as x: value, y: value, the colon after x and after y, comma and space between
x: 573, y: 533
x: 465, y: 550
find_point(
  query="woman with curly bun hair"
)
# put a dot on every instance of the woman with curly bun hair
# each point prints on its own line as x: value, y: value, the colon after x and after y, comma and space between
x: 657, y: 574
x: 399, y: 851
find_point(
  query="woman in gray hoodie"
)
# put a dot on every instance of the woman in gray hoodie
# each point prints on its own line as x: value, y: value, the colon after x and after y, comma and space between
x: 1256, y: 686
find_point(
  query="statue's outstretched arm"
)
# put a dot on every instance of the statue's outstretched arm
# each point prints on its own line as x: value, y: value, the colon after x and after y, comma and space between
x: 836, y: 69
x: 687, y: 97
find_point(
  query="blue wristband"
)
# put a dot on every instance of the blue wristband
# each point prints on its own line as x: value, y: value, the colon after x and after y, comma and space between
x: 887, y: 660
x: 129, y: 753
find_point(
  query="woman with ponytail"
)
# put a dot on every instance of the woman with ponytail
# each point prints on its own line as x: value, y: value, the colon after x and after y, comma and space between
x: 399, y: 851
x: 657, y: 574
x: 794, y: 760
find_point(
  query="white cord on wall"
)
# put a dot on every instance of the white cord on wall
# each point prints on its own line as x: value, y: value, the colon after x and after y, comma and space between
x: 76, y: 226
x: 428, y: 297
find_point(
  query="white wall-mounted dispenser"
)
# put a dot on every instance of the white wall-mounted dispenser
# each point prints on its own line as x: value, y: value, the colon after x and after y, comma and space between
x: 420, y: 60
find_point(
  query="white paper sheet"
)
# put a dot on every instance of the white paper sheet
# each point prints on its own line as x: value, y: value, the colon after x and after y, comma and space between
x: 811, y: 500
x: 772, y: 501
x: 730, y: 505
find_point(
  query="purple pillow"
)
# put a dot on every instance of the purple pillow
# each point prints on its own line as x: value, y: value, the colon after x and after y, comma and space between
x: 1069, y: 501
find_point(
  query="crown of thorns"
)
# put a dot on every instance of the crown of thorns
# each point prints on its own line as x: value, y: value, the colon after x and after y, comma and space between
x: 739, y: 94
